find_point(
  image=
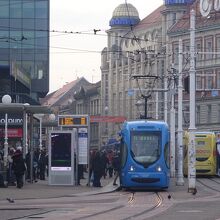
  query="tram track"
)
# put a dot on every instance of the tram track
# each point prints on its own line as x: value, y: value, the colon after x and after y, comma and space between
x: 206, y: 182
x: 129, y: 205
x: 158, y: 203
x: 132, y: 202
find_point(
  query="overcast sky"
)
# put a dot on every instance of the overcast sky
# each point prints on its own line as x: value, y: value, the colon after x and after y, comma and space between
x: 75, y: 55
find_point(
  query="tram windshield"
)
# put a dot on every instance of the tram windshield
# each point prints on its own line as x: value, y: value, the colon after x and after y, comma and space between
x: 145, y: 146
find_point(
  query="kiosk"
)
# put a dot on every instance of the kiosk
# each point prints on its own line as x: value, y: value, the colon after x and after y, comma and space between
x: 62, y: 146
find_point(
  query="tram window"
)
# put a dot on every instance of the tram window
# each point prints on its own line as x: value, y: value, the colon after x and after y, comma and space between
x: 167, y: 154
x: 200, y: 143
x: 124, y: 153
x: 145, y: 146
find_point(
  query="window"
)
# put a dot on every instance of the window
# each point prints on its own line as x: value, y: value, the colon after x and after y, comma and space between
x: 219, y: 113
x: 4, y: 9
x: 15, y: 9
x: 175, y: 54
x: 209, y: 48
x: 145, y: 147
x: 209, y: 79
x: 28, y: 9
x: 218, y: 46
x: 209, y: 112
x: 114, y: 77
x: 218, y: 78
x: 198, y: 49
x: 41, y: 9
x: 174, y: 18
x: 186, y: 50
x: 167, y: 154
x: 198, y: 114
x: 124, y: 153
x: 198, y: 82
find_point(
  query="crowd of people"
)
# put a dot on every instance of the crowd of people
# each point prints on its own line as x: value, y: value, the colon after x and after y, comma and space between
x: 102, y: 164
x: 16, y: 167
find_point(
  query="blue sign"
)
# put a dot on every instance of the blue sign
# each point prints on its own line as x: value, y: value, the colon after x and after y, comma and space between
x: 174, y: 2
x: 130, y: 92
x: 124, y: 21
x: 214, y: 93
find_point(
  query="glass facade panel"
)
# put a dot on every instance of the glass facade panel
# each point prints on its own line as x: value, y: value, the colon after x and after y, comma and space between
x: 41, y: 24
x: 24, y: 39
x: 41, y: 9
x: 4, y: 9
x: 15, y: 8
x: 41, y: 39
x: 28, y: 24
x: 28, y: 9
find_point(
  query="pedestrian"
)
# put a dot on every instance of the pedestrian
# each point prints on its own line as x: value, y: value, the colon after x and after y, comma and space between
x: 10, y: 174
x: 110, y: 155
x: 116, y: 166
x: 2, y: 182
x: 104, y: 163
x: 18, y: 166
x: 97, y: 169
x: 42, y: 164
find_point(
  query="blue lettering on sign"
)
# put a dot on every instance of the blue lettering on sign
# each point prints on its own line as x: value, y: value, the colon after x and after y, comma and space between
x: 173, y: 2
x: 124, y: 21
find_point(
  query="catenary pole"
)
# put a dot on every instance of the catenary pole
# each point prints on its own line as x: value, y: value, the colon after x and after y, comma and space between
x: 172, y: 132
x: 180, y: 181
x: 192, y: 128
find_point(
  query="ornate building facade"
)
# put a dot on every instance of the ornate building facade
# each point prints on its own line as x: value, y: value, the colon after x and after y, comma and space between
x: 140, y: 65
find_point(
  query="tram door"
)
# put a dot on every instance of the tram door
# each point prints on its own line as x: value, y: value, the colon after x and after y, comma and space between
x: 218, y: 153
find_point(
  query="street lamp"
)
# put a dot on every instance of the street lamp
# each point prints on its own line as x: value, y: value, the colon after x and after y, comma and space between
x: 6, y: 99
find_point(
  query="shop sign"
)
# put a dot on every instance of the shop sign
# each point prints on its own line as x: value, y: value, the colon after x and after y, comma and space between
x: 12, y: 132
x: 11, y: 121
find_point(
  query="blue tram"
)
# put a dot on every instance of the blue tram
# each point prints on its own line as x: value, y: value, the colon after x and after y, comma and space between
x: 145, y: 155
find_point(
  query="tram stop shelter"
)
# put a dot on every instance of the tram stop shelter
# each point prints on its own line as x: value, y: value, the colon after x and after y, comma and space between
x: 28, y: 112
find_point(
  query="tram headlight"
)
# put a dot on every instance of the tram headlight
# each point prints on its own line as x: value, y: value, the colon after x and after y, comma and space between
x: 159, y: 169
x: 131, y: 168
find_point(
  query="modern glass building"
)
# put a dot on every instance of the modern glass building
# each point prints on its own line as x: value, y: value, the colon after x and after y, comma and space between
x: 24, y: 49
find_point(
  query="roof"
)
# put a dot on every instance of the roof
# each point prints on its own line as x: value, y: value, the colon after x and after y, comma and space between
x: 152, y: 19
x: 20, y: 108
x: 183, y: 24
x: 53, y: 97
x: 124, y: 15
x: 87, y: 90
x: 125, y: 10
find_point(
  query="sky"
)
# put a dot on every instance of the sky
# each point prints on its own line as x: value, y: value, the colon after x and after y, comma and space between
x: 74, y: 49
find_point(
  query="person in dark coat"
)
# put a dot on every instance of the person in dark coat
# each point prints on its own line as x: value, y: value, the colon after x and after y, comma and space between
x: 18, y: 165
x: 97, y: 169
x: 116, y: 167
x: 42, y: 164
x: 104, y: 164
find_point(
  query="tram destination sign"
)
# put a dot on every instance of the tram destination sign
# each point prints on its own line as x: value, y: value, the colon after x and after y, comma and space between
x: 73, y: 120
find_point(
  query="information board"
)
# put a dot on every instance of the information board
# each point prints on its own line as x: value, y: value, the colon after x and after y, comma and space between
x: 83, y: 145
x: 72, y: 120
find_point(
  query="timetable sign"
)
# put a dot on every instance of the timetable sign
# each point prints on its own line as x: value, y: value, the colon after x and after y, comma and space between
x: 73, y: 120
